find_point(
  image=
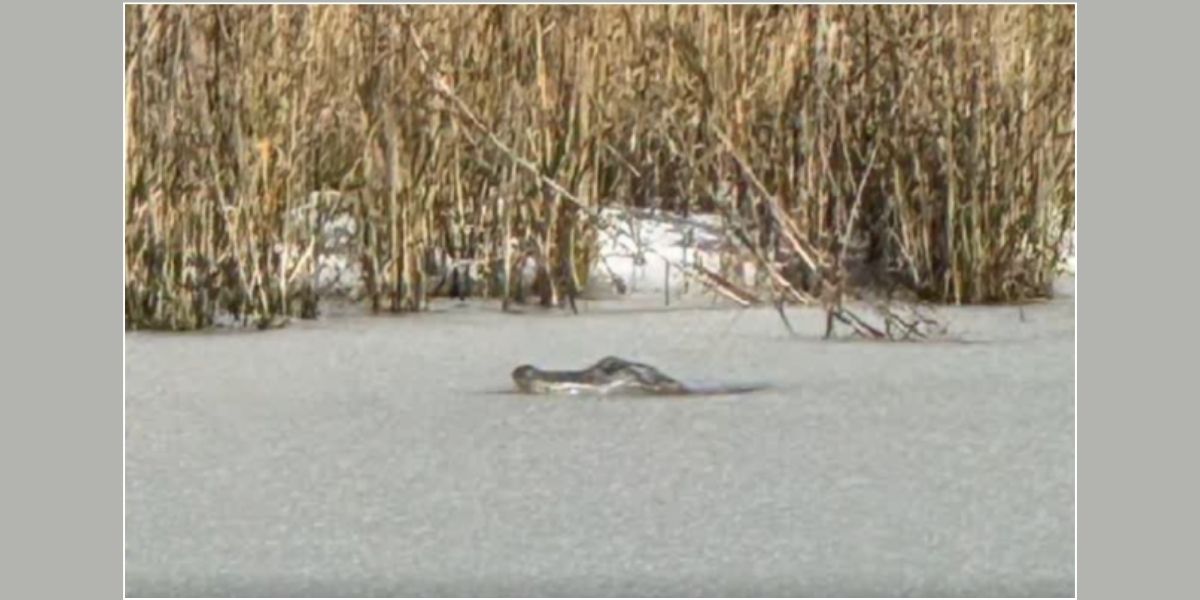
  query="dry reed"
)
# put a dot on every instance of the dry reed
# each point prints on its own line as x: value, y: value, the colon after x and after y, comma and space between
x: 846, y: 148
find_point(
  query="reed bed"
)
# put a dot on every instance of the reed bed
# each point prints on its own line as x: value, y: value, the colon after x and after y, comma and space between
x: 929, y: 149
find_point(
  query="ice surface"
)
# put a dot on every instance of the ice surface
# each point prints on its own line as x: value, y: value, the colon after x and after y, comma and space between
x: 368, y: 455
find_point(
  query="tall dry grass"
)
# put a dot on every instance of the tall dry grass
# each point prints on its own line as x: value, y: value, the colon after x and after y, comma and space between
x: 930, y: 148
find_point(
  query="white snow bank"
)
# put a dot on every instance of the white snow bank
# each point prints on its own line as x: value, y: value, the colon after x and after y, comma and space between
x: 643, y: 253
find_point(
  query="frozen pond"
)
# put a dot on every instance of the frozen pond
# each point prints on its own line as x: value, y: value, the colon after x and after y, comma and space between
x: 361, y: 455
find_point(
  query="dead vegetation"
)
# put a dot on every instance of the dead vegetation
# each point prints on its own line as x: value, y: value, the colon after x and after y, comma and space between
x: 923, y: 149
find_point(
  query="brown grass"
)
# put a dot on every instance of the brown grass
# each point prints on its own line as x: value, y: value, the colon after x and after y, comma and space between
x: 930, y: 148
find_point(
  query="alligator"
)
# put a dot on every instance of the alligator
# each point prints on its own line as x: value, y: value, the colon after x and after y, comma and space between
x: 610, y: 376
